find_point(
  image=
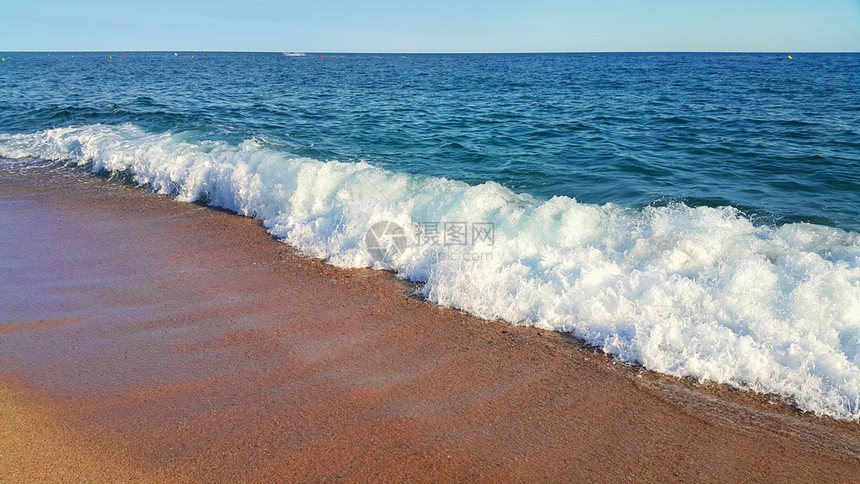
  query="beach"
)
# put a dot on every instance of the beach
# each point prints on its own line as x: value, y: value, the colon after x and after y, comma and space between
x: 556, y: 191
x: 148, y: 339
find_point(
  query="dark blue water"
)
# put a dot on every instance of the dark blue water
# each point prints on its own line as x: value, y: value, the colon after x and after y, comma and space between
x: 777, y: 138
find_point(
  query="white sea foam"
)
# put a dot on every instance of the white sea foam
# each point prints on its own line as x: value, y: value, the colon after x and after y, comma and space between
x: 699, y: 292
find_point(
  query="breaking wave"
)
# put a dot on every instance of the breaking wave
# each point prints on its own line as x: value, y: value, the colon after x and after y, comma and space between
x: 686, y: 291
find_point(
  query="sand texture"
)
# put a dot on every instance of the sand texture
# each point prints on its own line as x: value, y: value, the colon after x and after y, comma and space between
x: 157, y: 341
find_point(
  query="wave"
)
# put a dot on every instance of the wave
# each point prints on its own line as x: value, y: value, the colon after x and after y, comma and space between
x: 686, y: 291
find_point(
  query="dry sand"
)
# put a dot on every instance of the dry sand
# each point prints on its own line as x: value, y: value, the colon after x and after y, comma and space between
x: 151, y: 340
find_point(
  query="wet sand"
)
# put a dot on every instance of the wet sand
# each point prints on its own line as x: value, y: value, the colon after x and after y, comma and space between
x: 146, y: 339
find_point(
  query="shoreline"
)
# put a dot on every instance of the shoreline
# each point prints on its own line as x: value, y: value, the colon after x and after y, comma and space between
x: 190, y: 344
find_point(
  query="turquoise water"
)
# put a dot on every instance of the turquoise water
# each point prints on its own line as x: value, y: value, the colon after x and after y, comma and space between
x: 696, y: 213
x: 776, y: 138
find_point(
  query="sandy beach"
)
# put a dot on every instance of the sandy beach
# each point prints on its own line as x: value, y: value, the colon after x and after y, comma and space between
x: 151, y: 340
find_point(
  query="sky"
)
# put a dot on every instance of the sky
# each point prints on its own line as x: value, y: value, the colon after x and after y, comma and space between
x: 432, y: 25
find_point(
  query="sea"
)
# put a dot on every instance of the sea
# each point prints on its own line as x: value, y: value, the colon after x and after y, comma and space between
x: 695, y: 213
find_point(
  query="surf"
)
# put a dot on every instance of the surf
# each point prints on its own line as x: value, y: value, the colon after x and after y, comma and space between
x: 691, y: 291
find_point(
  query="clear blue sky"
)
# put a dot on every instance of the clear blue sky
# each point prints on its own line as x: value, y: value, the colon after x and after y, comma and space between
x: 432, y: 26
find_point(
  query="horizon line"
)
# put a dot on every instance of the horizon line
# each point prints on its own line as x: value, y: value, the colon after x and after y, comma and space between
x: 438, y: 53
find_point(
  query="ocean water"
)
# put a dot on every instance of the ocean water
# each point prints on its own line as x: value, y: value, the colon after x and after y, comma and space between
x: 696, y: 213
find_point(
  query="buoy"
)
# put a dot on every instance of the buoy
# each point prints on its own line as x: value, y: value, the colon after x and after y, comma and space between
x: 4, y: 59
x: 111, y: 57
x: 123, y: 53
x: 320, y: 57
x: 789, y: 57
x: 175, y: 53
x: 192, y: 56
